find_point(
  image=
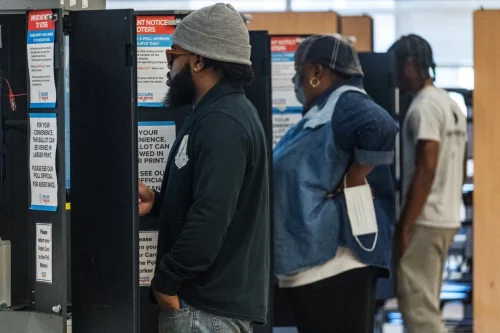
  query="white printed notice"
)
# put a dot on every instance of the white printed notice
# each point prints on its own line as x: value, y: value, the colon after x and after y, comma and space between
x: 43, y: 252
x: 154, y: 37
x: 287, y: 111
x: 43, y: 176
x: 148, y: 242
x: 155, y: 141
x: 41, y: 37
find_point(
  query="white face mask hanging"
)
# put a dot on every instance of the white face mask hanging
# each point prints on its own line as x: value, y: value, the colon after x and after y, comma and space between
x: 361, y: 211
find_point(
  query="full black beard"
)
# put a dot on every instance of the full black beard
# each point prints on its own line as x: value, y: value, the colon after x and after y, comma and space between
x: 182, y: 90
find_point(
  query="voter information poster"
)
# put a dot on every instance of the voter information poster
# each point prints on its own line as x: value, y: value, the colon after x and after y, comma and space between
x: 154, y: 37
x: 43, y: 252
x: 43, y: 176
x: 287, y: 111
x: 155, y: 141
x: 41, y: 37
x: 148, y: 243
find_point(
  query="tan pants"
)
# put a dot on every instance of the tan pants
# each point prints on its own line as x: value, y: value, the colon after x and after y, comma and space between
x: 420, y: 277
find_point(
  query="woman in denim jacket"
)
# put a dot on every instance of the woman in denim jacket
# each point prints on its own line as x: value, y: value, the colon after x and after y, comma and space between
x: 330, y: 275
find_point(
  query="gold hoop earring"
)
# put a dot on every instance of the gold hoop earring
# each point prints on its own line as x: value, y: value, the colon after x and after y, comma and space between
x: 314, y: 82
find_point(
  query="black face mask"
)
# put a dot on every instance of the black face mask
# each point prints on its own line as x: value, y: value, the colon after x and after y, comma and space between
x: 182, y: 89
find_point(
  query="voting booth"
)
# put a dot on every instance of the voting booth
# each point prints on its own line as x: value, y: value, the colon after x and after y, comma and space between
x: 82, y: 120
x: 33, y: 197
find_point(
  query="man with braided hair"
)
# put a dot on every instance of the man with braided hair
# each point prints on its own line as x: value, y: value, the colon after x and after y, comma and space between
x: 433, y: 140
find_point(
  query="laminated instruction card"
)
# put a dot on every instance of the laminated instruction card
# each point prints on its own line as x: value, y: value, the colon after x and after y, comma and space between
x: 41, y: 37
x: 287, y: 111
x: 154, y: 37
x: 43, y: 176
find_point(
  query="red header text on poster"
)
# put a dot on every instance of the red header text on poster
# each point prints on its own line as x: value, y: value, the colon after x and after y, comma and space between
x: 147, y: 25
x: 284, y: 44
x: 41, y: 20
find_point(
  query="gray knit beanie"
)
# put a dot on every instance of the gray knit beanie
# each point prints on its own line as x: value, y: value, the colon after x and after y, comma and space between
x: 217, y: 32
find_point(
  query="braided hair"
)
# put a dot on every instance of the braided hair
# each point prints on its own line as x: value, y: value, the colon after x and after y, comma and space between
x: 419, y: 50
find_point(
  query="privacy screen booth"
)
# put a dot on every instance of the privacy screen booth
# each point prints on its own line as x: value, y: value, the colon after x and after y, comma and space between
x: 93, y: 267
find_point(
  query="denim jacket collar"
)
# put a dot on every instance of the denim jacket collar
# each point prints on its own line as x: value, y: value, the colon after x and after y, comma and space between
x: 322, y: 113
x: 322, y: 99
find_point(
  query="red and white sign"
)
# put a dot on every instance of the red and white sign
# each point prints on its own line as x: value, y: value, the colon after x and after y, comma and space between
x: 154, y: 36
x: 158, y: 25
x: 41, y: 20
x: 285, y: 44
x: 40, y: 40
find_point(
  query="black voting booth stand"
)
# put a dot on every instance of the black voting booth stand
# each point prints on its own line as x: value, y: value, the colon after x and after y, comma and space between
x: 104, y: 117
x: 380, y: 84
x: 36, y: 306
x: 104, y: 252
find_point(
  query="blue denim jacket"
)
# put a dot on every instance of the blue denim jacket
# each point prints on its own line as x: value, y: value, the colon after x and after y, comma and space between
x: 311, y: 159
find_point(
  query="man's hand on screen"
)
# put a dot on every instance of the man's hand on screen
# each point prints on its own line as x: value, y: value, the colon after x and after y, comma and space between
x: 146, y: 199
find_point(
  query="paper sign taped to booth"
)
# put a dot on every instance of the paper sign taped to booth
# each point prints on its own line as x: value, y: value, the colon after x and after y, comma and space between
x: 154, y: 37
x: 43, y: 240
x: 287, y: 111
x: 43, y: 176
x: 148, y: 242
x: 155, y: 141
x: 41, y: 37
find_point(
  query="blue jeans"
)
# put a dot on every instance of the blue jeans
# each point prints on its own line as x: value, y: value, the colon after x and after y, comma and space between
x: 191, y: 320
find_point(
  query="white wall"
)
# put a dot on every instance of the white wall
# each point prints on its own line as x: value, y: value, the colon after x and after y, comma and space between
x: 448, y: 27
x: 446, y: 24
x: 449, y: 33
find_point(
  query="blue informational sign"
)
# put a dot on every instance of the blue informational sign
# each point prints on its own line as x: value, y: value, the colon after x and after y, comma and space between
x: 287, y: 110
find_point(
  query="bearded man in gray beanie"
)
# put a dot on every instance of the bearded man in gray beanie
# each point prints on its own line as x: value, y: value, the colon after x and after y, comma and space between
x: 213, y: 256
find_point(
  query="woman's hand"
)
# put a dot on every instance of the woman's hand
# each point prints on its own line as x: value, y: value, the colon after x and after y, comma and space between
x: 355, y: 176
